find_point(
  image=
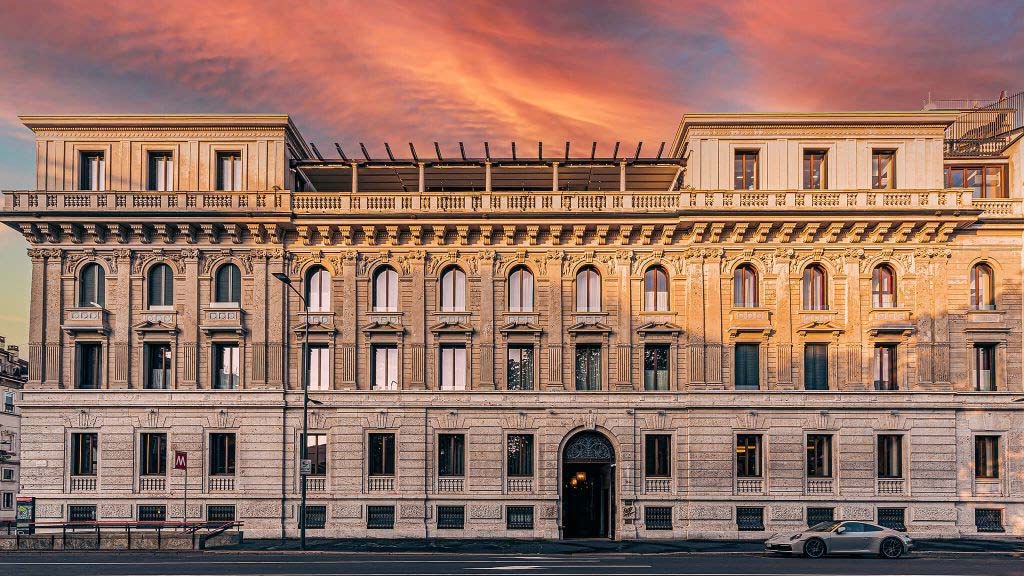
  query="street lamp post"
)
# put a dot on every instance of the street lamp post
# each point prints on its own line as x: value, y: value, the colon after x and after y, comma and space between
x: 305, y: 404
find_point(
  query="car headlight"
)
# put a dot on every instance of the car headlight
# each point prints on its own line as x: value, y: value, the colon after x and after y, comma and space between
x: 795, y: 537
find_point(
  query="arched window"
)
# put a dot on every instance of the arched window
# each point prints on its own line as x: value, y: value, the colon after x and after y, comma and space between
x: 453, y: 290
x: 318, y: 289
x: 656, y: 289
x: 745, y: 287
x: 883, y: 287
x: 160, y: 286
x: 588, y: 290
x: 385, y: 290
x: 815, y: 288
x: 520, y: 290
x: 983, y: 292
x: 228, y: 288
x: 92, y: 286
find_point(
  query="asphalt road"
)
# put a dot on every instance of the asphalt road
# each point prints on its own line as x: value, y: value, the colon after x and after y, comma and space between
x: 419, y: 564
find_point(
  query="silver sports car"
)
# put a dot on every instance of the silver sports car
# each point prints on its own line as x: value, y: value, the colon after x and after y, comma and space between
x: 841, y: 538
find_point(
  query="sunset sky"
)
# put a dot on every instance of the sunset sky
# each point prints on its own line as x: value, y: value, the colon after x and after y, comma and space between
x: 472, y: 71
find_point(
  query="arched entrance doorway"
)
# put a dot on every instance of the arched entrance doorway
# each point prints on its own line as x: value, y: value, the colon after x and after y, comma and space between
x: 588, y: 486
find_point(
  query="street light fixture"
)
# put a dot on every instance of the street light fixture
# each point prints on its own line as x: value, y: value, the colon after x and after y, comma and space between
x: 303, y: 472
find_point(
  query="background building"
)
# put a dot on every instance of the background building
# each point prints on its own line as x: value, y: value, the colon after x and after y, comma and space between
x: 13, y: 372
x: 775, y: 319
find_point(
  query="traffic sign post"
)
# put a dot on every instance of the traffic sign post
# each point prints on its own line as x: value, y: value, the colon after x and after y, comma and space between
x: 306, y: 467
x: 181, y: 463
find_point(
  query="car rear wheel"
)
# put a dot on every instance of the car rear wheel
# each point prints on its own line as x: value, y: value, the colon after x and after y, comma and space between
x: 814, y: 548
x: 891, y: 548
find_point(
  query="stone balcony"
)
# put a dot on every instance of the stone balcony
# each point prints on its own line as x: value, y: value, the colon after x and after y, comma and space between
x: 82, y: 484
x: 85, y: 319
x: 448, y: 484
x: 819, y: 486
x: 380, y: 484
x: 511, y: 202
x: 657, y: 485
x: 749, y: 486
x: 222, y: 318
x: 519, y: 484
x: 891, y: 487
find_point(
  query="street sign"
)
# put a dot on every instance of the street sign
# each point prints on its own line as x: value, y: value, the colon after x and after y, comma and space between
x: 306, y: 467
x: 180, y: 460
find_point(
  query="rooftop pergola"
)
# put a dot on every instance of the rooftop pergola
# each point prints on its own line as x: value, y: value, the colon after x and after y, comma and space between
x: 460, y: 173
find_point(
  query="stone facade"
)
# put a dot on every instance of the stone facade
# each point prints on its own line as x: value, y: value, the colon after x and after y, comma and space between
x: 13, y: 371
x: 294, y: 214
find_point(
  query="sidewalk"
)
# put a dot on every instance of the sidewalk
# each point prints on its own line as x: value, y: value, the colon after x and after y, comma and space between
x: 502, y: 546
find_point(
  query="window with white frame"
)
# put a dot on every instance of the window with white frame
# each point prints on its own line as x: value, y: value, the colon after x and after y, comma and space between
x: 588, y: 290
x: 318, y: 289
x: 453, y: 290
x: 453, y: 367
x: 385, y: 367
x: 92, y: 172
x: 520, y: 290
x: 318, y: 366
x: 229, y: 171
x: 656, y: 289
x: 161, y: 171
x: 385, y: 290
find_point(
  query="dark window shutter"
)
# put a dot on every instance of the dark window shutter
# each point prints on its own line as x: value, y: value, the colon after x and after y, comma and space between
x: 816, y: 367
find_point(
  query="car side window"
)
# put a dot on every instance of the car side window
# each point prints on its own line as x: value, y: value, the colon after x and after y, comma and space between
x: 871, y: 528
x: 853, y: 527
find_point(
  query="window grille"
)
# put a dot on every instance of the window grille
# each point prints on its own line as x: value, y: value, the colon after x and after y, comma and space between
x: 81, y: 513
x: 658, y: 517
x: 988, y: 520
x: 380, y: 517
x: 519, y: 517
x: 152, y: 513
x: 451, y: 517
x: 750, y: 518
x: 819, y: 515
x: 223, y: 512
x: 893, y: 518
x: 316, y: 517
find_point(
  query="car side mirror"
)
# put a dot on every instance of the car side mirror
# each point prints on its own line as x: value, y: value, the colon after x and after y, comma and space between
x: 841, y: 530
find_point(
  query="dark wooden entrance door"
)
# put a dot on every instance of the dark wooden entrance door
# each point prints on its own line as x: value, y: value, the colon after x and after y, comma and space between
x: 586, y: 500
x: 588, y: 487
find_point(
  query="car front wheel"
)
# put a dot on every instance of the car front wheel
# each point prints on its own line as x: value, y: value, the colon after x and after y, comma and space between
x: 891, y: 548
x: 814, y: 548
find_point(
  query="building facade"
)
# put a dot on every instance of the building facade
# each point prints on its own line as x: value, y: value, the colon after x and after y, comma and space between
x: 778, y: 319
x: 13, y: 373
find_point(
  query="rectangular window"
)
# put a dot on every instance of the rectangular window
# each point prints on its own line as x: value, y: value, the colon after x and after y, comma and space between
x: 158, y: 366
x: 93, y: 171
x: 819, y: 515
x: 315, y: 517
x: 658, y: 517
x: 658, y: 456
x: 816, y: 366
x: 8, y: 475
x: 380, y: 517
x: 382, y: 453
x: 318, y: 367
x: 985, y: 181
x: 316, y: 453
x: 85, y: 447
x: 229, y: 170
x: 986, y: 457
x: 451, y: 454
x: 81, y: 513
x: 8, y: 501
x: 749, y: 518
x: 88, y: 365
x: 815, y: 177
x: 893, y: 518
x: 520, y: 367
x: 451, y: 517
x: 227, y: 374
x: 883, y: 169
x: 588, y: 367
x: 152, y: 454
x: 819, y: 455
x: 745, y: 170
x: 988, y: 520
x: 748, y: 455
x: 747, y: 366
x: 161, y: 172
x: 890, y: 456
x: 220, y: 513
x: 519, y: 517
x: 519, y: 455
x: 453, y: 368
x: 983, y: 368
x: 9, y: 402
x: 385, y: 367
x: 152, y: 513
x: 656, y: 365
x: 885, y: 367
x: 222, y: 453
